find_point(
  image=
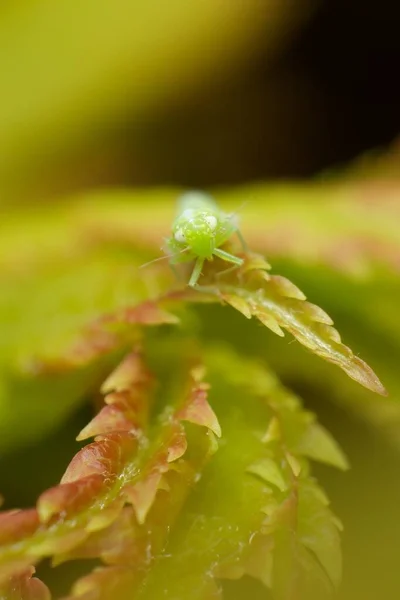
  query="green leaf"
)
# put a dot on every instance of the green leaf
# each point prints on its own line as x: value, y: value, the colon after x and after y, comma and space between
x: 179, y: 478
x: 318, y: 444
x: 118, y: 467
x: 65, y: 320
x: 277, y: 303
x: 270, y: 472
x: 163, y: 505
x: 318, y: 530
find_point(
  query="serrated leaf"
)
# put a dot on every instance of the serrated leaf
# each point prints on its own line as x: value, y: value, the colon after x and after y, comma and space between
x: 118, y: 466
x: 143, y: 493
x: 318, y: 530
x: 24, y: 587
x: 209, y: 541
x: 318, y: 444
x: 275, y: 298
x: 16, y: 524
x: 268, y: 470
x: 201, y: 413
x: 110, y: 418
x: 194, y: 505
x: 94, y: 302
x: 305, y: 224
x: 129, y: 373
x: 294, y: 464
x: 273, y: 432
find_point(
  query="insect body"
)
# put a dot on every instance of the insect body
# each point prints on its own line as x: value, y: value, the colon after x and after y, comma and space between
x: 198, y: 232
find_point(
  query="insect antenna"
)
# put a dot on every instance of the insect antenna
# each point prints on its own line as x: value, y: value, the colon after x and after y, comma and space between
x: 241, y: 206
x: 236, y: 212
x: 234, y: 218
x: 150, y: 262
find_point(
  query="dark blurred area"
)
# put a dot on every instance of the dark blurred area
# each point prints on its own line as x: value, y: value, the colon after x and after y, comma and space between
x: 351, y: 51
x: 332, y: 95
x: 301, y: 89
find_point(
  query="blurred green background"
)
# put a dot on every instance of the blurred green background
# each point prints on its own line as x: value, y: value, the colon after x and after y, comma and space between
x: 130, y: 93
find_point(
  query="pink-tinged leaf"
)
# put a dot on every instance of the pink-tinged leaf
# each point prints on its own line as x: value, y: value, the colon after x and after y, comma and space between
x: 143, y: 493
x: 13, y: 567
x: 17, y: 524
x: 171, y: 445
x: 68, y: 498
x: 177, y: 447
x: 110, y: 418
x: 197, y: 409
x: 129, y: 372
x: 106, y: 334
x: 24, y: 587
x: 93, y: 343
x: 130, y: 401
x: 118, y: 467
x: 135, y: 404
x: 148, y: 313
x: 103, y: 457
x: 200, y: 412
x: 278, y: 304
x: 122, y: 542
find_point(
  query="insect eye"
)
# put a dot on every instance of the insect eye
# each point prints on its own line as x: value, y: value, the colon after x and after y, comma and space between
x: 211, y: 222
x: 180, y: 236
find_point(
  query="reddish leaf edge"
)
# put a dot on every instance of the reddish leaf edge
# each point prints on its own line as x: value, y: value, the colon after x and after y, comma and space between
x: 279, y: 305
x: 113, y: 471
x: 251, y: 290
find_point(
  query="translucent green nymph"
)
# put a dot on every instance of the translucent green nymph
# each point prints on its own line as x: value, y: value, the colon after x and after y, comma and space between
x: 198, y: 231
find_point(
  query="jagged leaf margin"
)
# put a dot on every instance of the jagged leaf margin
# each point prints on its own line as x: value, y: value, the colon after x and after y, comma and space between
x: 116, y: 468
x: 283, y: 491
x: 278, y: 304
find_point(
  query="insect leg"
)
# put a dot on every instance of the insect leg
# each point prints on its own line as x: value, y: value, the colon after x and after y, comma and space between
x: 226, y: 271
x: 228, y: 257
x: 242, y: 241
x: 196, y: 271
x: 175, y: 271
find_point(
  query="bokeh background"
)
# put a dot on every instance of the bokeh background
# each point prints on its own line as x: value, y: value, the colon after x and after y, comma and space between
x: 211, y: 92
x: 206, y: 93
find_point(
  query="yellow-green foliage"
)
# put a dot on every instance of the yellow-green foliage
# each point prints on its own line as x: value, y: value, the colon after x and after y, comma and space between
x: 200, y: 467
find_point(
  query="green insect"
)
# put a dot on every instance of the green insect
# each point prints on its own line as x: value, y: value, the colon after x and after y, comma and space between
x: 198, y: 231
